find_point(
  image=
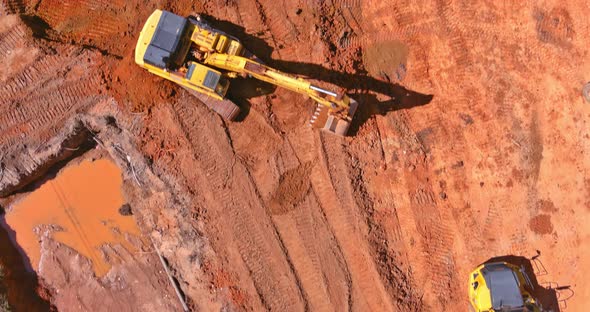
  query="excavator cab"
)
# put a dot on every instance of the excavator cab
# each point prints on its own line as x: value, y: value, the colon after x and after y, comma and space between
x: 501, y: 287
x: 163, y: 44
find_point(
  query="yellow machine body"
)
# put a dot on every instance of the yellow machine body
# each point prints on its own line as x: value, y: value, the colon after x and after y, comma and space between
x: 501, y: 286
x: 201, y: 59
x: 191, y: 77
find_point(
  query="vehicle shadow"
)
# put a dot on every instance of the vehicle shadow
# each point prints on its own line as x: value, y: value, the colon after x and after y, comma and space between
x: 551, y: 296
x: 360, y: 85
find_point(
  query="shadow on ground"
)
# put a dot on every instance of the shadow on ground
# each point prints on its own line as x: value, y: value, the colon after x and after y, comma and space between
x: 551, y: 296
x: 18, y: 276
x: 362, y: 87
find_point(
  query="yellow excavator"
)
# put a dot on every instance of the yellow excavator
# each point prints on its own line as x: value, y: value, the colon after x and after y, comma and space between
x: 501, y: 287
x: 202, y: 59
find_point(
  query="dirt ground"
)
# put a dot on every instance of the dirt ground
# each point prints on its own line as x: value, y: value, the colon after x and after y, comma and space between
x: 471, y: 143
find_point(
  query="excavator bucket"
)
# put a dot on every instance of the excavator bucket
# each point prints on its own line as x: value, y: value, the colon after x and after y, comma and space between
x: 324, y: 118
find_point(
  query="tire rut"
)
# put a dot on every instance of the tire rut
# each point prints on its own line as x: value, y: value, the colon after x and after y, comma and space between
x: 314, y: 265
x: 335, y: 197
x: 231, y: 190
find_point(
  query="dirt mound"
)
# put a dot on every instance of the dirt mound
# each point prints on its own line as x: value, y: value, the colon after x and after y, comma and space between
x: 386, y: 60
x: 293, y: 187
x: 541, y: 224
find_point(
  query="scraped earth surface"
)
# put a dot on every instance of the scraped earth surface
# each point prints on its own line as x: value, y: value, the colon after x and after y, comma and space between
x: 471, y: 142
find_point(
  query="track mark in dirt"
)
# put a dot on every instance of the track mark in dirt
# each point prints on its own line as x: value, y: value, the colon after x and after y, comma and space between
x: 427, y: 224
x: 15, y: 36
x: 530, y: 154
x: 331, y: 185
x: 293, y: 186
x: 93, y: 24
x: 16, y: 48
x: 231, y: 190
x: 554, y: 27
x: 406, y: 17
x: 352, y: 10
x: 437, y: 241
x: 14, y: 6
x: 278, y: 21
x: 494, y: 221
x: 375, y: 199
x: 88, y: 21
x: 519, y: 242
x: 317, y: 258
x: 261, y: 11
x: 329, y: 272
x: 456, y: 38
x: 45, y: 107
x: 30, y: 77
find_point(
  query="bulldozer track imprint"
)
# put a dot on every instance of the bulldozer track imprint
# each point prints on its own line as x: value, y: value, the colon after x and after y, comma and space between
x: 33, y: 76
x: 248, y: 236
x: 14, y: 6
x: 11, y: 39
x: 337, y: 202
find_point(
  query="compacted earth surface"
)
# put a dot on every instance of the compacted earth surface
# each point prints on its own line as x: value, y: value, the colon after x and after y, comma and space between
x: 121, y: 191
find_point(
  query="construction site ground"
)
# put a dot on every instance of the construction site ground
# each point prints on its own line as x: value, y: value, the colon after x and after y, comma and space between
x: 471, y: 142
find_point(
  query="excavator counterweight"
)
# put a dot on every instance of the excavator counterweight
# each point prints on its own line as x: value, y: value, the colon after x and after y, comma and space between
x: 202, y: 59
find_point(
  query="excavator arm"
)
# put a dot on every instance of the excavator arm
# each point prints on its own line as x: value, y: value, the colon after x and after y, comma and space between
x: 334, y: 111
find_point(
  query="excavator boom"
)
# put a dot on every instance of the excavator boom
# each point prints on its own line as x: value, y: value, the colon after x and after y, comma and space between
x: 259, y: 71
x: 334, y: 111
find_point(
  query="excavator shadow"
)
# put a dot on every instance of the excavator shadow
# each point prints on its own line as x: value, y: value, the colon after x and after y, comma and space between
x: 552, y: 296
x: 360, y: 86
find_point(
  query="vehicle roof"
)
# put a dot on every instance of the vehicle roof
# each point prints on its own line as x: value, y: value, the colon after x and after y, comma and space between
x: 503, y: 285
x: 165, y: 41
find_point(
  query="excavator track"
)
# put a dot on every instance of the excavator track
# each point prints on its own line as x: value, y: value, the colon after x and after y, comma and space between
x: 226, y: 108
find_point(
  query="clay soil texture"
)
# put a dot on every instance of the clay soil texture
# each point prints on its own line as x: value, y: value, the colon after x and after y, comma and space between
x: 472, y: 142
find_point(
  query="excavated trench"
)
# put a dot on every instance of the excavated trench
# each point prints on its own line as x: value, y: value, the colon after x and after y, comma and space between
x: 48, y: 162
x: 81, y: 204
x: 72, y: 224
x: 69, y: 190
x: 22, y: 284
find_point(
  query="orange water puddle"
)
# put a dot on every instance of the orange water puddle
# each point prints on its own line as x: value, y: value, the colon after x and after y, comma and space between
x: 84, y: 201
